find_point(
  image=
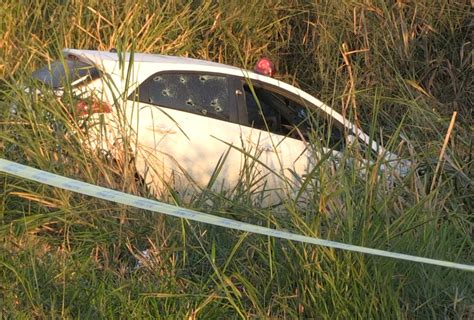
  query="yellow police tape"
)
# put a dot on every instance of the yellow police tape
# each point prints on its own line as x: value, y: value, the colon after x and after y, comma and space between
x: 151, y: 205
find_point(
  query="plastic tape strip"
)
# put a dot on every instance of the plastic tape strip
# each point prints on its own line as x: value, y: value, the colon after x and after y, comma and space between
x: 151, y: 205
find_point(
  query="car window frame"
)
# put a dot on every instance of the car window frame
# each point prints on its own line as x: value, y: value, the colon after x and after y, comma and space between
x: 235, y: 115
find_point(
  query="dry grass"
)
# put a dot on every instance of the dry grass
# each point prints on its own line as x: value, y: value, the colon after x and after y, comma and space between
x: 399, y: 68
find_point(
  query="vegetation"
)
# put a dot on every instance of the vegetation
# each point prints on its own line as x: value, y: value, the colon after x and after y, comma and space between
x: 398, y: 68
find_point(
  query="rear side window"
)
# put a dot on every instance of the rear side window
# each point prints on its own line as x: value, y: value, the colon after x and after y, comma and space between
x: 58, y: 73
x: 199, y: 93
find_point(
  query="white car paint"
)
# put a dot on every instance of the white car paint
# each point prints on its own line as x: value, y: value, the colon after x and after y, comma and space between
x: 175, y: 147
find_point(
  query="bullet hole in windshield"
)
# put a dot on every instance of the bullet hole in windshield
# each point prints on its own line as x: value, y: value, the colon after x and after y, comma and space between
x: 158, y: 78
x: 166, y: 92
x: 182, y: 79
x: 215, y: 104
x: 190, y: 102
x: 205, y: 77
x: 204, y: 111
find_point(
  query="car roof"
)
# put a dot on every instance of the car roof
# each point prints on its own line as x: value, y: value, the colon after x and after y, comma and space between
x: 145, y: 65
x: 98, y: 57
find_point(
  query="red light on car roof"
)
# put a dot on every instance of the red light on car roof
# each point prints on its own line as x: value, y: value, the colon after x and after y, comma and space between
x: 265, y: 66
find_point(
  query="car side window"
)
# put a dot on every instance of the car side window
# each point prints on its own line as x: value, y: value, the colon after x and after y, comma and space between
x: 199, y: 93
x: 284, y: 115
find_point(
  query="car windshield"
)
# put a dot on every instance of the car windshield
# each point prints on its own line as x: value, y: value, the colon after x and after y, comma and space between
x: 58, y: 73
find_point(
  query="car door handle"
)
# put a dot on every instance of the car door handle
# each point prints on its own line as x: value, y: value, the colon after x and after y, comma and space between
x: 162, y: 129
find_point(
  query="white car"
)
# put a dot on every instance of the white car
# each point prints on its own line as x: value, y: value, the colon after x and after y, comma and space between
x: 189, y: 117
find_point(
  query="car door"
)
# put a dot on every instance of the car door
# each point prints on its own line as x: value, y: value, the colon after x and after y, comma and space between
x: 185, y: 122
x: 290, y: 134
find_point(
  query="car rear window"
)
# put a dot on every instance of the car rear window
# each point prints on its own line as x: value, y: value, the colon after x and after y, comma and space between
x: 58, y: 73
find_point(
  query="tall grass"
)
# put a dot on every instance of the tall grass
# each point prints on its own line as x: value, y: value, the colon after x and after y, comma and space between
x: 400, y: 69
